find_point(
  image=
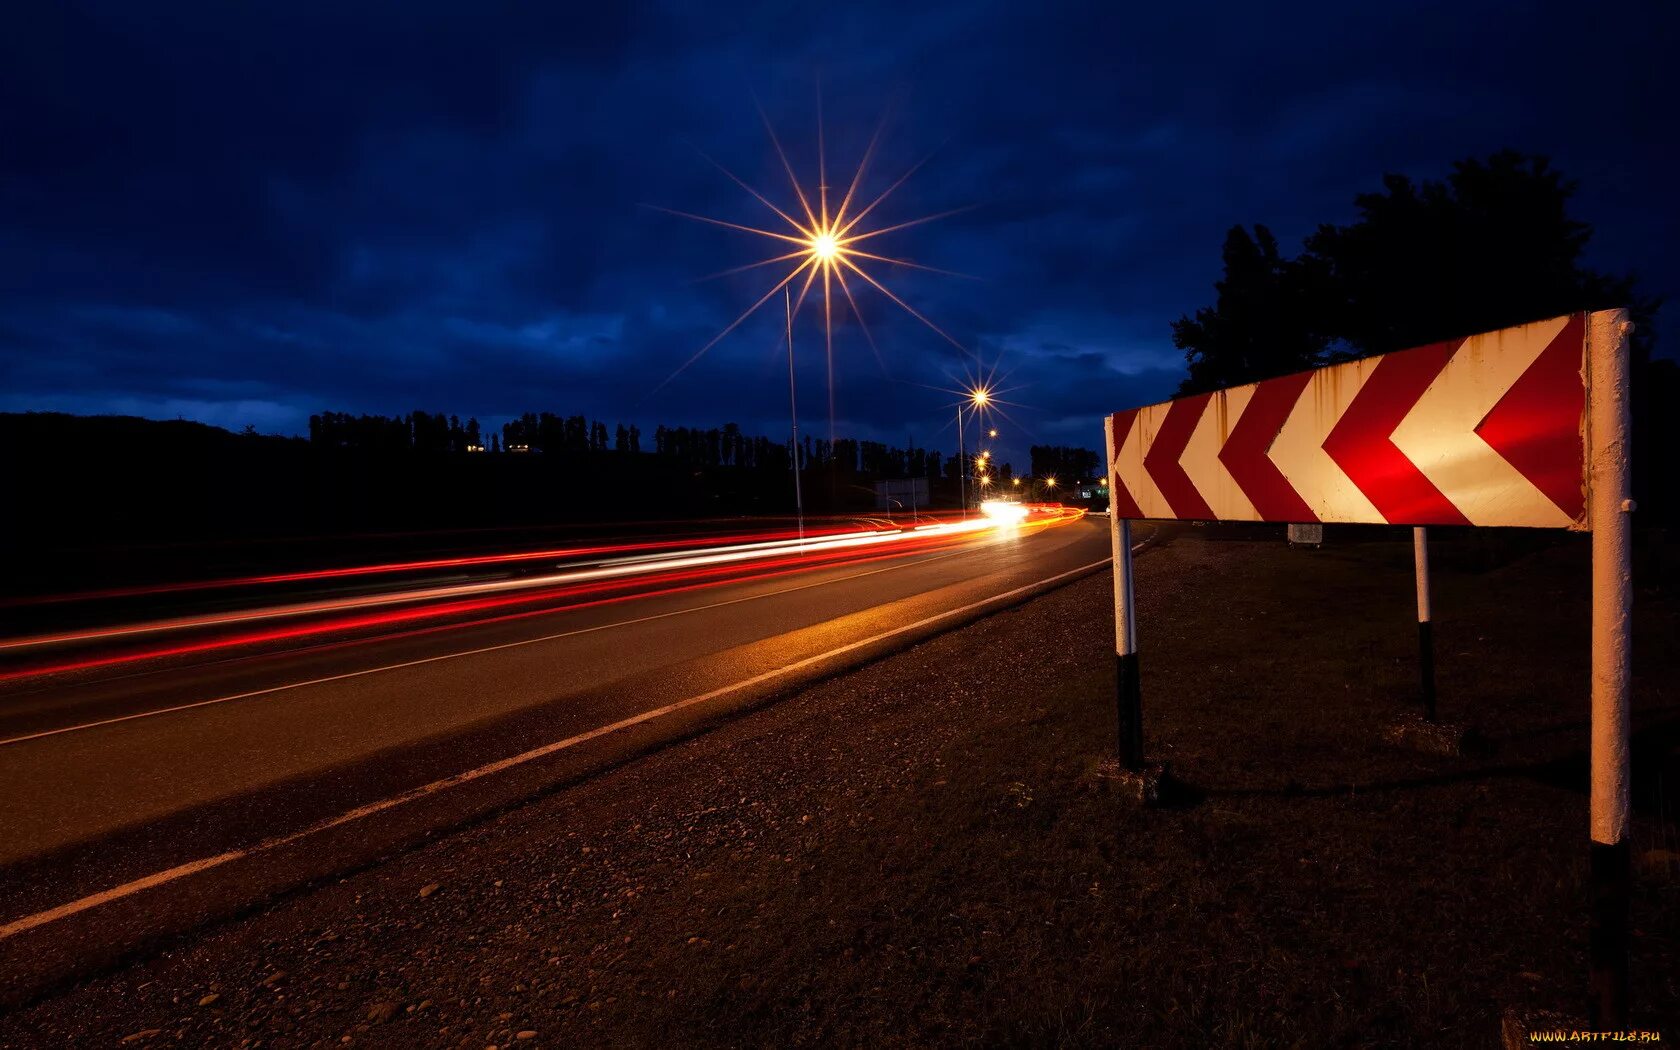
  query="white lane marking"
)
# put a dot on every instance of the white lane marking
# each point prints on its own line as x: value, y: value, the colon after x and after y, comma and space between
x: 469, y: 652
x: 42, y: 918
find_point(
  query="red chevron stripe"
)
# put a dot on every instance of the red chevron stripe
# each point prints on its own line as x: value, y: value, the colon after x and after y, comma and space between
x: 1162, y: 459
x: 1536, y: 426
x: 1361, y: 446
x: 1121, y: 502
x: 1244, y: 454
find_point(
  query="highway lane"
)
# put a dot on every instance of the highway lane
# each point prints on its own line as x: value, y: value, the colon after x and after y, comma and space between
x: 166, y: 763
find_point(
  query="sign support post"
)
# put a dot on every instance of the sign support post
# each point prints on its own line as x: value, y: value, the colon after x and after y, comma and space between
x: 1426, y: 632
x: 1128, y: 693
x: 962, y: 466
x: 1127, y: 684
x: 1610, y: 507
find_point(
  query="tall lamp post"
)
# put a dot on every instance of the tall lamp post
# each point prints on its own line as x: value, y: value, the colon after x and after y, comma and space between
x: 962, y: 465
x: 979, y: 397
x: 793, y: 413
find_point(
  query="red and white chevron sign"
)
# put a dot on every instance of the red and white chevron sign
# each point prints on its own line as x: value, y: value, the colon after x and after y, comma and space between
x: 1479, y: 431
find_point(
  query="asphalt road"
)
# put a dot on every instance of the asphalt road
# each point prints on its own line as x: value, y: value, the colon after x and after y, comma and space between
x: 279, y: 766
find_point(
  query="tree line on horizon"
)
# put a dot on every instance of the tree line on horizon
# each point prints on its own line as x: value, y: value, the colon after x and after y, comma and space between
x: 725, y: 446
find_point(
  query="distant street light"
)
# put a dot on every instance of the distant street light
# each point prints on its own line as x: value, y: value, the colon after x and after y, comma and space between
x: 979, y: 397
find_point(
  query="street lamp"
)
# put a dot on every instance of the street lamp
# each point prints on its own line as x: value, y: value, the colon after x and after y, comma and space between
x: 793, y: 413
x: 979, y: 397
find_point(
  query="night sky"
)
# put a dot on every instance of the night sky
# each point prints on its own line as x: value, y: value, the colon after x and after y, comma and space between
x: 245, y: 213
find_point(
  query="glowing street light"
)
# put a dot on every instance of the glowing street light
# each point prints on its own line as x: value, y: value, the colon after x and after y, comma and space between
x: 979, y: 397
x: 816, y: 244
x: 992, y: 432
x: 825, y: 246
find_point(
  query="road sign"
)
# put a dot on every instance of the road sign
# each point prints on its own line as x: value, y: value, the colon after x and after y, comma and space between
x: 1486, y: 430
x: 1527, y: 426
x: 907, y: 494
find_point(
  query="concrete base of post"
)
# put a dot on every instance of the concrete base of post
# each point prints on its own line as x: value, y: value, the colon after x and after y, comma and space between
x: 1434, y: 738
x: 1310, y: 536
x: 1141, y: 787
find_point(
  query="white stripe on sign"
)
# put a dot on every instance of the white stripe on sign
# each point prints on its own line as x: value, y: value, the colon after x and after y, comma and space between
x: 1299, y: 452
x: 1128, y: 463
x: 1439, y: 433
x: 1201, y: 456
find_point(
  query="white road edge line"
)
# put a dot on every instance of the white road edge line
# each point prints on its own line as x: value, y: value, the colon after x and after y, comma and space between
x: 63, y: 911
x: 452, y: 656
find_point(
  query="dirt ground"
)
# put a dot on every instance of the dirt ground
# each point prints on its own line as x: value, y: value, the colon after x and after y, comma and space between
x: 918, y: 853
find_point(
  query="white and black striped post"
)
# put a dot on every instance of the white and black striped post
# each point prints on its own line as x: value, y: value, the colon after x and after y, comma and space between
x: 1128, y: 694
x: 1610, y: 506
x: 1426, y: 633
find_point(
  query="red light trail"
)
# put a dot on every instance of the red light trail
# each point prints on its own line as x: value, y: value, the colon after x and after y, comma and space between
x: 663, y: 568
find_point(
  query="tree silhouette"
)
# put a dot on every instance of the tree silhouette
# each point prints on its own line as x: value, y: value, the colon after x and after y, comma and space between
x: 1490, y: 246
x: 1269, y: 318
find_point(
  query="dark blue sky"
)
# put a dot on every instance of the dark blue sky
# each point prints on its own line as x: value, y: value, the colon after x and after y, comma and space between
x: 246, y: 213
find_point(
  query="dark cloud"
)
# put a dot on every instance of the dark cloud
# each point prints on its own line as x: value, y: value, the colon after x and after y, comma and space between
x: 245, y: 213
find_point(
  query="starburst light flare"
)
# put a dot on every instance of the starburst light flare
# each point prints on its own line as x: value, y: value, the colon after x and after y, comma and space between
x: 818, y: 246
